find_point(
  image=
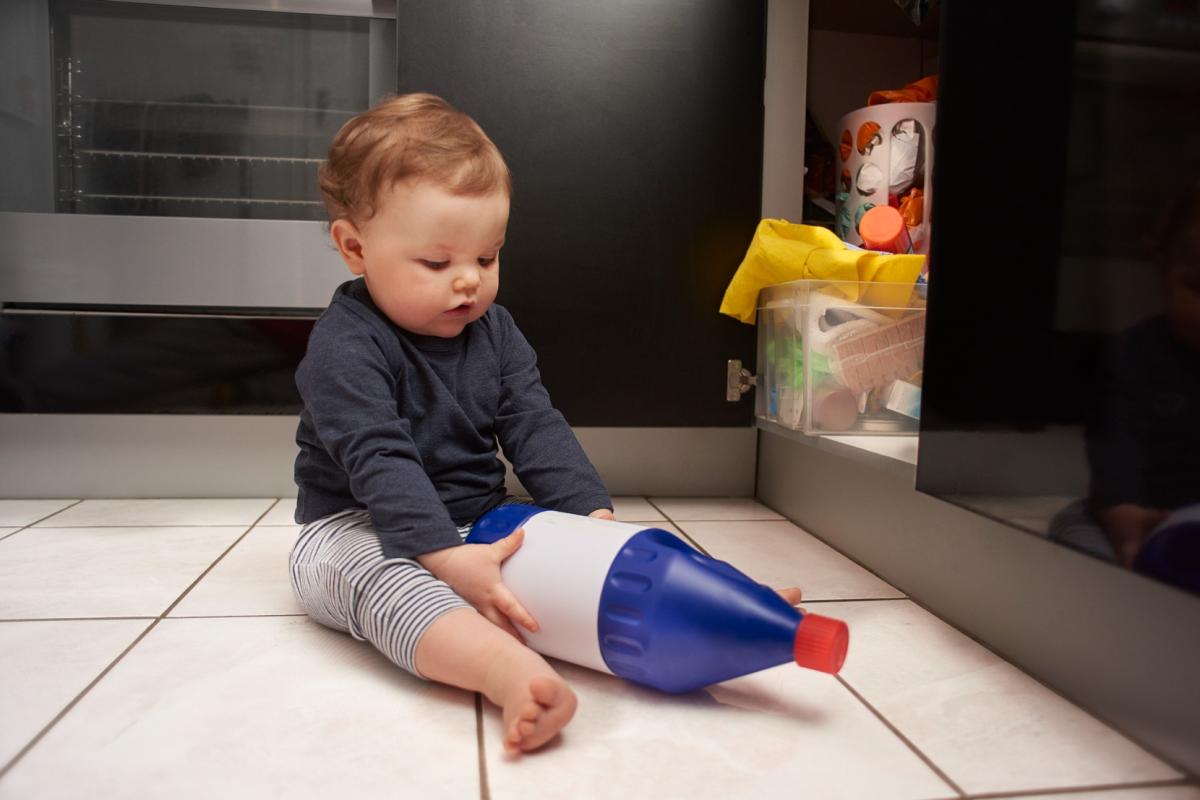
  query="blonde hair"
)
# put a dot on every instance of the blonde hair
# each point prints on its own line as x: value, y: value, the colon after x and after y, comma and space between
x: 407, y: 137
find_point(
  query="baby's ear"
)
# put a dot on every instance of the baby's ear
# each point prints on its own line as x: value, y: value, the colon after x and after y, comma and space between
x: 348, y: 241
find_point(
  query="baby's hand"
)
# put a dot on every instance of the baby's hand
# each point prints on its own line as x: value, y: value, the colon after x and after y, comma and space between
x: 1127, y: 527
x: 473, y: 572
x: 603, y: 513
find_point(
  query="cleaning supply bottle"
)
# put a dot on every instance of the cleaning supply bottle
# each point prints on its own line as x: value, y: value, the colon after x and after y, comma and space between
x: 640, y: 603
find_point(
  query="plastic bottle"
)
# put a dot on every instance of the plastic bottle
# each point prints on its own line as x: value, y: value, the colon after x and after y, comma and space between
x: 640, y: 603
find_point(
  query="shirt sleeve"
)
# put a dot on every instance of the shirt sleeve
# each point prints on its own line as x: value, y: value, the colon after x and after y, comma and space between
x: 349, y: 390
x: 535, y: 436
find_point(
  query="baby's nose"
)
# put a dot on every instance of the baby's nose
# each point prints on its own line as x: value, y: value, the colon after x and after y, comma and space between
x: 466, y: 281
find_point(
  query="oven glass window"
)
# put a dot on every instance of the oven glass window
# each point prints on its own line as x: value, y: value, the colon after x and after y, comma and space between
x: 164, y: 110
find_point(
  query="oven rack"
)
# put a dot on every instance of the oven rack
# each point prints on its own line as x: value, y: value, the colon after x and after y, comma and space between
x: 188, y: 156
x: 209, y: 128
x: 206, y: 106
x: 161, y: 198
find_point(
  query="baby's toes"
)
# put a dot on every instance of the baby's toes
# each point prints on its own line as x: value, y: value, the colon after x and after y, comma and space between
x: 547, y: 691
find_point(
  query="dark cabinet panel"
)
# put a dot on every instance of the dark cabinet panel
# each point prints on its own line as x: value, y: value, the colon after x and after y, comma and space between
x: 634, y: 133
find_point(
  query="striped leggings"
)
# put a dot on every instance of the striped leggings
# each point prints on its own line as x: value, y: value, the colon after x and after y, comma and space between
x: 343, y: 581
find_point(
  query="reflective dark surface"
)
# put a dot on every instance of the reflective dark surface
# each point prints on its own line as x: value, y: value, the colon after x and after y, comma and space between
x: 1062, y: 387
x: 107, y: 363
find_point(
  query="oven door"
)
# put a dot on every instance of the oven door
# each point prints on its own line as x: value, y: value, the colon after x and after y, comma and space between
x: 162, y: 156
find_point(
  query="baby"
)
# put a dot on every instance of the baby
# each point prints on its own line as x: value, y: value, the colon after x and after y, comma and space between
x: 411, y: 378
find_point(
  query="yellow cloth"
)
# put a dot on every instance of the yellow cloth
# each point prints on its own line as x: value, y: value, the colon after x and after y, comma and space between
x: 782, y: 251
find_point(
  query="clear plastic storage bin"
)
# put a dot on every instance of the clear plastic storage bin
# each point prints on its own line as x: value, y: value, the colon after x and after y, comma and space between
x: 841, y: 357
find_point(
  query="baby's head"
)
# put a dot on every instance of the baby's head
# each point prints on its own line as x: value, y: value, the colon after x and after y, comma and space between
x: 418, y: 200
x: 1176, y: 249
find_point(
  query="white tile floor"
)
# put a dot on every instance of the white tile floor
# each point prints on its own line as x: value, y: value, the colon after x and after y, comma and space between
x: 152, y: 648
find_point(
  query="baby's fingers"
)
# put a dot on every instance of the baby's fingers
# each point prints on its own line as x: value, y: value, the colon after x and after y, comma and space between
x: 509, y: 606
x: 500, y: 621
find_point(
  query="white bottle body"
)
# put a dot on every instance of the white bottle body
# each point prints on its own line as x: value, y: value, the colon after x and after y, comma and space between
x: 558, y: 575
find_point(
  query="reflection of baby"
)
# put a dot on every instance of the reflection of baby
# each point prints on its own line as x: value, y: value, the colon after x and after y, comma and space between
x: 1144, y: 440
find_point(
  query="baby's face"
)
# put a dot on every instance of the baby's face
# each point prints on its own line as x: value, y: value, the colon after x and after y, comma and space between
x: 431, y: 259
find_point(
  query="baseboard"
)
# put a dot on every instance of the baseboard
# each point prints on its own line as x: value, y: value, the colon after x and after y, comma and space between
x: 85, y: 456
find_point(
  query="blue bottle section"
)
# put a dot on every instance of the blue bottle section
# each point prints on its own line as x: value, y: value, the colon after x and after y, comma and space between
x: 1172, y: 552
x: 500, y: 522
x: 675, y: 619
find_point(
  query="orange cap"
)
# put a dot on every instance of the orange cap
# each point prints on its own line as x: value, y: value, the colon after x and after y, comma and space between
x: 882, y: 228
x: 821, y: 643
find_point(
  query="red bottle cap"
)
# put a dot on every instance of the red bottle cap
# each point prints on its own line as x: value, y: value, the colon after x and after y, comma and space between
x: 821, y: 643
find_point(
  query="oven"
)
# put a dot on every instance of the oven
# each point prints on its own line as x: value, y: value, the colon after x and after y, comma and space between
x: 162, y: 240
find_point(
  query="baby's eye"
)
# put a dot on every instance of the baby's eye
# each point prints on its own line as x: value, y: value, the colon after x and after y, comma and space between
x: 487, y: 261
x: 434, y: 264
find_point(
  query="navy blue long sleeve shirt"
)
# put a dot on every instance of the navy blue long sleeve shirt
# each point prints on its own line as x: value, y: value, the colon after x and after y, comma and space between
x: 407, y: 426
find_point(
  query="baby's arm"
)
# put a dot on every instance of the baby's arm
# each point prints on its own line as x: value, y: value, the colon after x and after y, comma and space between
x: 535, y: 437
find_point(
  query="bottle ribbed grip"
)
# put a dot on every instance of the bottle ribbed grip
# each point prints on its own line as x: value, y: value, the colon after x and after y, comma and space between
x: 821, y: 643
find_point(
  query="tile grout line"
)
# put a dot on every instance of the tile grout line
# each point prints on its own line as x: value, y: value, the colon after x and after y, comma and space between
x: 908, y: 742
x: 682, y: 533
x: 219, y: 558
x: 75, y: 701
x: 485, y: 792
x: 36, y: 521
x: 1068, y: 791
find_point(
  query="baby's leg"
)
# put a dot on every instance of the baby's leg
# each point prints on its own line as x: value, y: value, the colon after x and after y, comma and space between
x: 343, y: 581
x: 463, y: 649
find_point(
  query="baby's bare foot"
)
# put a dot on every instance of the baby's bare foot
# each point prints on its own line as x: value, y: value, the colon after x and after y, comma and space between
x: 535, y: 711
x: 791, y: 594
